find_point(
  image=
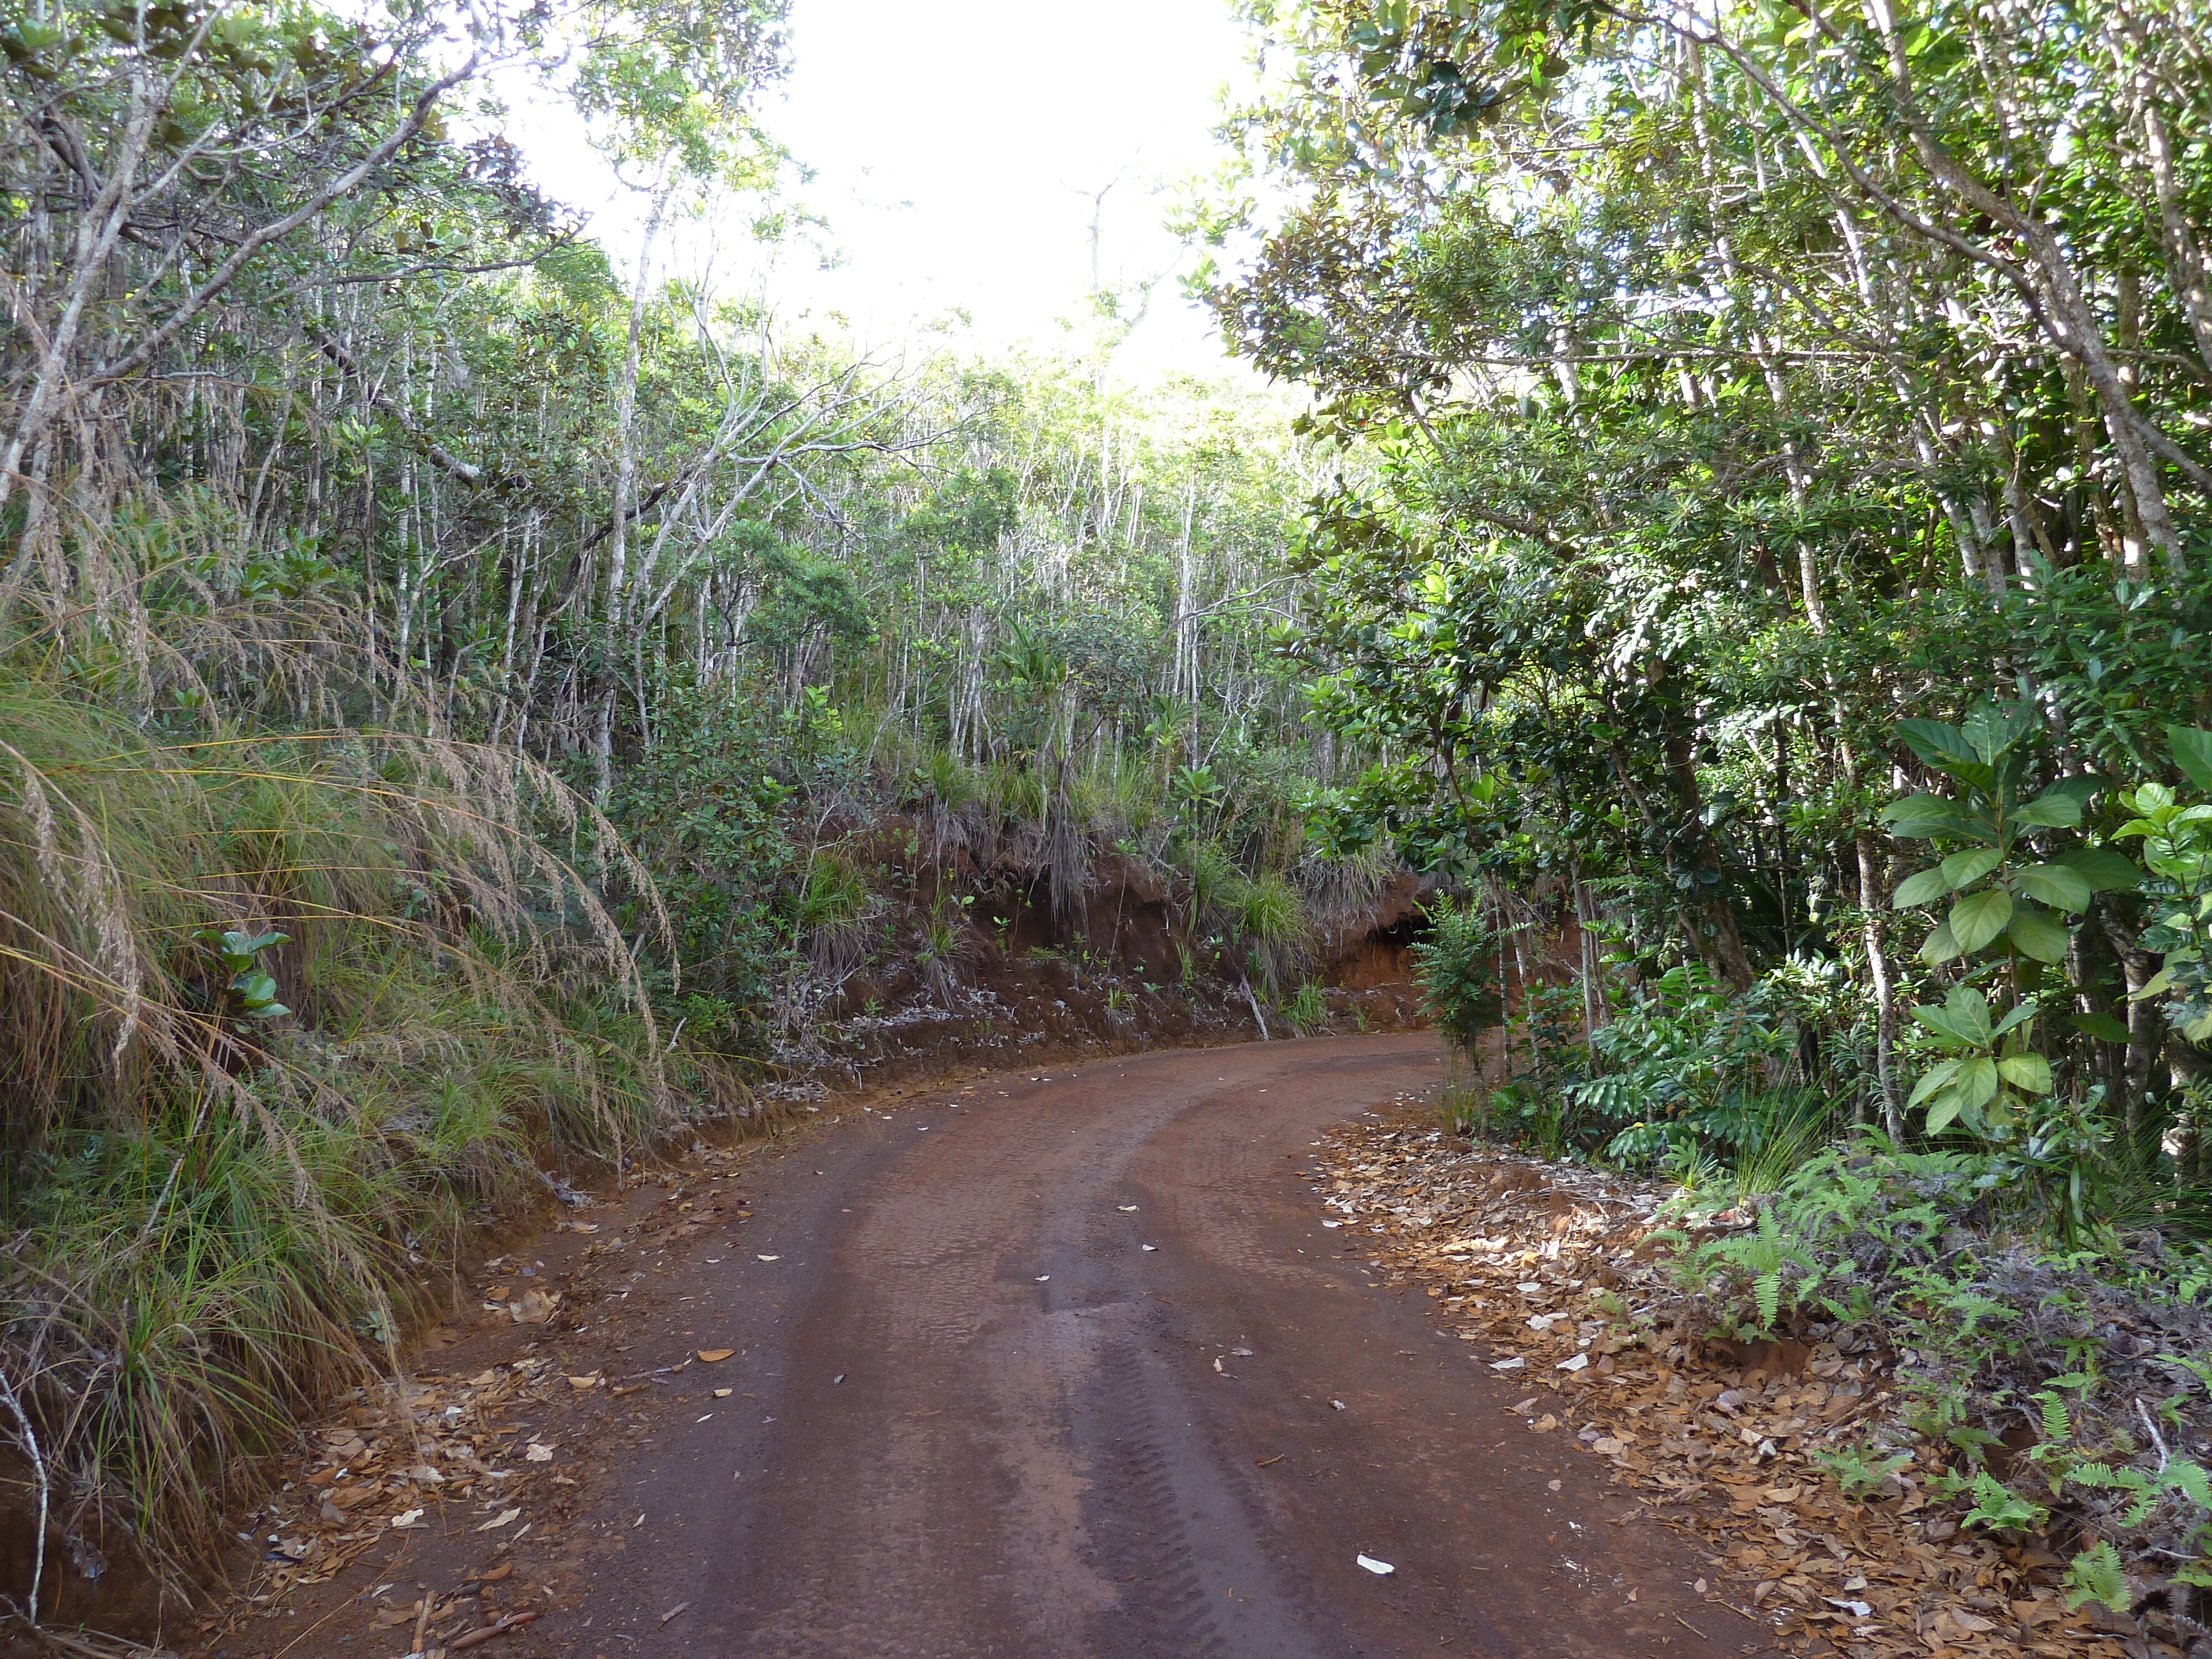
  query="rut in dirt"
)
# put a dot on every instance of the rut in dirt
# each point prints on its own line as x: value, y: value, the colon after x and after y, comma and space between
x: 1072, y: 1367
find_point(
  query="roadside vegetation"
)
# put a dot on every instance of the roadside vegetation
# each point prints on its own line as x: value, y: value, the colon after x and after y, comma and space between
x: 474, y: 704
x: 1781, y: 553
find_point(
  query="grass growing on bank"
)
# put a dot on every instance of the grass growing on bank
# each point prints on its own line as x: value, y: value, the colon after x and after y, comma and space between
x: 223, y: 1194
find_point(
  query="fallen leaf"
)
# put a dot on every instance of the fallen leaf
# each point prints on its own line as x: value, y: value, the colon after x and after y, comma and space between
x: 500, y: 1520
x: 1575, y: 1364
x: 408, y: 1518
x: 532, y: 1307
x: 714, y: 1356
x: 673, y: 1611
x: 495, y: 1574
x: 580, y: 1382
x: 1380, y: 1569
x: 721, y: 1394
x: 771, y: 1258
x: 536, y: 1453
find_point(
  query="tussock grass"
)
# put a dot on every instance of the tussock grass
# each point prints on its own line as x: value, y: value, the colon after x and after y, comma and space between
x: 211, y: 1219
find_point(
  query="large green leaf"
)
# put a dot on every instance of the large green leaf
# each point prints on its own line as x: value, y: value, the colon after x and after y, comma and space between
x: 1939, y: 1021
x: 2192, y: 753
x: 2103, y: 1027
x: 2050, y: 811
x: 2054, y: 884
x: 1965, y: 869
x: 2078, y: 785
x: 1968, y: 1011
x: 1939, y: 947
x: 2104, y: 869
x: 1936, y: 743
x: 1991, y: 729
x: 1924, y: 888
x: 1977, y: 1084
x: 2027, y: 1073
x: 1921, y: 817
x: 1939, y: 1077
x: 1979, y: 918
x: 2038, y: 934
x: 1940, y: 1114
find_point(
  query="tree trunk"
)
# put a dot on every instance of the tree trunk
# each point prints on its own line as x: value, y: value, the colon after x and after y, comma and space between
x: 1874, y: 906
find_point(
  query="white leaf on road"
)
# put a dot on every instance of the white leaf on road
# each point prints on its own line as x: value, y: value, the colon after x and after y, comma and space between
x: 499, y: 1520
x: 1380, y: 1569
x: 1573, y: 1365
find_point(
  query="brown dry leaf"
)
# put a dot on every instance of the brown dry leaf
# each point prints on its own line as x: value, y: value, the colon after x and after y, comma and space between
x: 714, y: 1356
x: 1501, y: 1236
x: 532, y: 1307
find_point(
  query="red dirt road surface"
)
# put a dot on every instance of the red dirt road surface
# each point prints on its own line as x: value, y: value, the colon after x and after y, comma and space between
x: 972, y: 1413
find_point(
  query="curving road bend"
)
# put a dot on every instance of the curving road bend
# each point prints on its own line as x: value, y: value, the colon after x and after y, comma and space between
x: 1049, y: 1439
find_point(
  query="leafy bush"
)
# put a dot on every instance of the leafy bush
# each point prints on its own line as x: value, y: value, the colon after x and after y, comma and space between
x: 1456, y: 965
x: 1687, y: 1064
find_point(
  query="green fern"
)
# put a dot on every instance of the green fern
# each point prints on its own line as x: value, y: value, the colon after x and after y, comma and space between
x: 2057, y: 1427
x: 2096, y: 1575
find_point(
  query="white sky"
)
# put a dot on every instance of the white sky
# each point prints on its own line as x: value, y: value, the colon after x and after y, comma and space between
x: 956, y: 145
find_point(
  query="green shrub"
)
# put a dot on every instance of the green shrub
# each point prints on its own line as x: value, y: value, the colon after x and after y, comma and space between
x: 1457, y: 967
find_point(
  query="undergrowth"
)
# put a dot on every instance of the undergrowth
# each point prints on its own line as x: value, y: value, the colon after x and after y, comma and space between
x: 2067, y: 1391
x: 235, y: 1165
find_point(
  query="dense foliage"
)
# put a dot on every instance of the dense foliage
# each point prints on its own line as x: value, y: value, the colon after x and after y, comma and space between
x: 1739, y: 421
x: 1779, y: 566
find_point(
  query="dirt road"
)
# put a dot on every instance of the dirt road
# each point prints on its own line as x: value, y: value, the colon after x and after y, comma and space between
x: 1072, y: 1367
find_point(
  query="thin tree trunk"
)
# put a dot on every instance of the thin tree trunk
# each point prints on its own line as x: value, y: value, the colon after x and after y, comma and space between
x: 1874, y: 905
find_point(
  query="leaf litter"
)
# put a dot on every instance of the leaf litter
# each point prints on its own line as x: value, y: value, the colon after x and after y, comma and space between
x: 398, y: 1457
x: 1715, y: 1439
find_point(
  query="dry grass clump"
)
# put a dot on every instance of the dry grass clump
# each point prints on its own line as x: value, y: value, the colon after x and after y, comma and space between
x: 212, y: 1216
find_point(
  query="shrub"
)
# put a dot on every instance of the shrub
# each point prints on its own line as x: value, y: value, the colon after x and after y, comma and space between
x: 1457, y: 967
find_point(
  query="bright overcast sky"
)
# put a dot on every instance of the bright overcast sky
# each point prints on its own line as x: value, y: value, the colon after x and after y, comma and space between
x: 956, y: 146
